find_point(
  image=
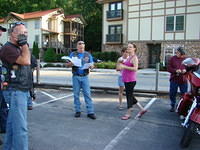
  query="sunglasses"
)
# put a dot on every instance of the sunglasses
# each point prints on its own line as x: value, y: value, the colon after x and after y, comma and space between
x: 81, y: 43
x: 13, y: 25
x: 17, y: 23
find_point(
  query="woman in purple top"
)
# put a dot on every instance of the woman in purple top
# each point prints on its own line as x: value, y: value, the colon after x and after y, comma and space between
x: 129, y: 68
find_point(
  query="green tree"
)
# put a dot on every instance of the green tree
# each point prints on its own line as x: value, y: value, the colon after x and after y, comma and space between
x: 90, y: 10
x: 92, y: 13
x: 36, y: 50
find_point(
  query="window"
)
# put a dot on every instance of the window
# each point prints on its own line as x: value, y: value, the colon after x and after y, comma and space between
x: 37, y: 24
x: 115, y: 6
x: 179, y: 23
x: 114, y: 34
x: 170, y: 23
x: 175, y: 23
x: 115, y: 29
x: 37, y: 39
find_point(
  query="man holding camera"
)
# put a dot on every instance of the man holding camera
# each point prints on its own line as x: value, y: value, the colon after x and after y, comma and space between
x: 15, y: 56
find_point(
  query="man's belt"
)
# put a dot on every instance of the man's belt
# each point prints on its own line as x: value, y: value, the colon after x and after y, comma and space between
x: 81, y: 75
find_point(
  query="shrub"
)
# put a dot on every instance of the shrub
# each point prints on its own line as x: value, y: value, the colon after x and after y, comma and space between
x: 36, y: 50
x: 50, y: 55
x: 106, y: 65
x: 58, y: 57
x: 114, y: 56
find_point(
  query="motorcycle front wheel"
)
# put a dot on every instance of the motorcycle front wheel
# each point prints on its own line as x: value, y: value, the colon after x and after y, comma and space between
x: 188, y: 134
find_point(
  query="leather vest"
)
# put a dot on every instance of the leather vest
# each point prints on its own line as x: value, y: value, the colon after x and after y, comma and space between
x: 19, y: 76
x: 74, y: 68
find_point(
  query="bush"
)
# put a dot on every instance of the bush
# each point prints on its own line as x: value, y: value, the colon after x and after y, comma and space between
x: 58, y: 57
x: 106, y: 65
x: 50, y: 55
x: 36, y: 50
x: 114, y: 56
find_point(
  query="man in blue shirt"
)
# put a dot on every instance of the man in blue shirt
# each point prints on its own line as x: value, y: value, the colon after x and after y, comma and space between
x: 81, y: 64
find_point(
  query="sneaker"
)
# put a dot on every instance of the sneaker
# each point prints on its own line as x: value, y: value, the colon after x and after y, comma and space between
x: 172, y: 109
x: 77, y: 114
x: 91, y: 116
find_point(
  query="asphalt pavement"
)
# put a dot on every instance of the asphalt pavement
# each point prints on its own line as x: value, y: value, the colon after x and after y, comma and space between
x: 52, y: 125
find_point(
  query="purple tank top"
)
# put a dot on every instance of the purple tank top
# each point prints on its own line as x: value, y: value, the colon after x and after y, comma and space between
x: 128, y: 75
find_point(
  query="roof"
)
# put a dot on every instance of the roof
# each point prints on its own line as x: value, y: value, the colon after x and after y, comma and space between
x: 71, y: 17
x: 1, y: 20
x: 36, y: 14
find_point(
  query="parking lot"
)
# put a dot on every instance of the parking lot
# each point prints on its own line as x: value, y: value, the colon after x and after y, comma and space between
x: 52, y: 125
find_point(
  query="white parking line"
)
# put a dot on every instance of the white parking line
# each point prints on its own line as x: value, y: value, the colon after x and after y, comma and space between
x: 123, y: 132
x: 53, y: 100
x: 45, y: 93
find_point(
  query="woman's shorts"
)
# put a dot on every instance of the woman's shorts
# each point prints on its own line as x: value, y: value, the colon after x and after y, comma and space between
x: 120, y: 82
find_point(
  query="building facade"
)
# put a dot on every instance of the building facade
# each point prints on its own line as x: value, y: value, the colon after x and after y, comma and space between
x: 49, y: 28
x: 157, y: 27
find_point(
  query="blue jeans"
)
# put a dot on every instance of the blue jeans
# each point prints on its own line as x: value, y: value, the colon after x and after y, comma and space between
x: 16, y: 137
x: 173, y: 91
x: 82, y: 82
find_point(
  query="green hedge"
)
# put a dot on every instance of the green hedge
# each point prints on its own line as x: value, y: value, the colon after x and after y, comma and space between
x: 50, y: 55
x: 106, y: 65
x: 58, y: 57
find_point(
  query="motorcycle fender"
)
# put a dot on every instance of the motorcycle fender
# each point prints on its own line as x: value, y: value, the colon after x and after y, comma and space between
x: 184, y: 106
x: 196, y: 115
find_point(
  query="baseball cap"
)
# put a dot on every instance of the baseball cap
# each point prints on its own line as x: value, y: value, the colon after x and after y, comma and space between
x: 3, y: 29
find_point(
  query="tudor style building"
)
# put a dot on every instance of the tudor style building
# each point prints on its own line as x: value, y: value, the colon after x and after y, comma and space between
x: 157, y: 27
x: 49, y: 28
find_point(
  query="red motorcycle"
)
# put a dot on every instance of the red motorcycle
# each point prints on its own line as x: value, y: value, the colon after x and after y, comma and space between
x: 189, y: 105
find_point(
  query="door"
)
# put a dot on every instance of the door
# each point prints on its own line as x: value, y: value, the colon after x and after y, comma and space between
x: 154, y: 54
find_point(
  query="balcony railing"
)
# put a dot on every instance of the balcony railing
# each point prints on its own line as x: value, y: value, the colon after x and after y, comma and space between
x: 115, y: 14
x: 114, y: 38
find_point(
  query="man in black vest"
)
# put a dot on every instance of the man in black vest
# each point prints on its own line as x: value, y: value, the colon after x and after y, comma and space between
x: 81, y: 62
x: 2, y: 102
x: 15, y: 56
